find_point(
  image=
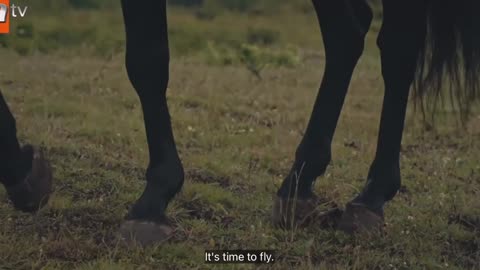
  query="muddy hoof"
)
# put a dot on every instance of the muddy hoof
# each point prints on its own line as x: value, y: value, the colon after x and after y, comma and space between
x: 357, y: 218
x: 145, y: 233
x: 291, y: 213
x: 33, y: 192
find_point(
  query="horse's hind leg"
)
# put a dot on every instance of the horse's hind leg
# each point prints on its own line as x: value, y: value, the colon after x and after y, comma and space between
x: 24, y: 171
x: 147, y: 62
x: 10, y: 150
x: 344, y: 24
x: 401, y: 37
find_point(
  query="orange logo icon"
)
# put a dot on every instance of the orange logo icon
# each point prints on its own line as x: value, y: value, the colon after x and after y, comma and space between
x: 4, y: 16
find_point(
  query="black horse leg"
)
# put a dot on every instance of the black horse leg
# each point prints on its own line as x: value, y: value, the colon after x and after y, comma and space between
x: 24, y: 171
x: 344, y: 24
x: 13, y: 167
x: 401, y: 37
x: 147, y: 62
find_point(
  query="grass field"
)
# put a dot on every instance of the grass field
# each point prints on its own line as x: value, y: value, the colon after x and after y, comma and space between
x: 237, y: 134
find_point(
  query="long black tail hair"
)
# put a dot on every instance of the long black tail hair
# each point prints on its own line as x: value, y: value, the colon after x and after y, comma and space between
x: 449, y: 63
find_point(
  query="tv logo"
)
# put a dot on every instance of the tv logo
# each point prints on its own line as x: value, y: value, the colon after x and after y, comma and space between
x: 7, y: 11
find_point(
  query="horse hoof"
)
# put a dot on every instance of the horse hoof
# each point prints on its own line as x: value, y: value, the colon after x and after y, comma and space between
x: 33, y: 192
x: 357, y: 218
x: 145, y: 233
x: 291, y: 213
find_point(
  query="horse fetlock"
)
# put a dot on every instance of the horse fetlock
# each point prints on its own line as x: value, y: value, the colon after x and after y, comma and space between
x: 150, y: 207
x: 164, y: 181
x: 300, y: 180
x: 33, y: 190
x: 382, y: 185
x: 387, y: 178
x: 166, y: 178
x: 312, y: 163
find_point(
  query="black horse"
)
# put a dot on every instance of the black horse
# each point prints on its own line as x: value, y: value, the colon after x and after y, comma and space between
x: 424, y: 43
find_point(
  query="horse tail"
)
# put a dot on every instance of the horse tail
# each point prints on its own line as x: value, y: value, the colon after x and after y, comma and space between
x: 449, y: 62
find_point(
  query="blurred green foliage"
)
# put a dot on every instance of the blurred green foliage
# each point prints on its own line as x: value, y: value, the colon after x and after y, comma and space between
x: 62, y: 5
x: 222, y: 31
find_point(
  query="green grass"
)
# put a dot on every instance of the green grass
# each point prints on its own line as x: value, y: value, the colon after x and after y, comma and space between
x: 236, y: 135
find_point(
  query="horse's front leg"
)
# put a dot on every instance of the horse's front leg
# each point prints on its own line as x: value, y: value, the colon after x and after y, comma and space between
x: 147, y: 62
x: 344, y: 25
x: 400, y: 41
